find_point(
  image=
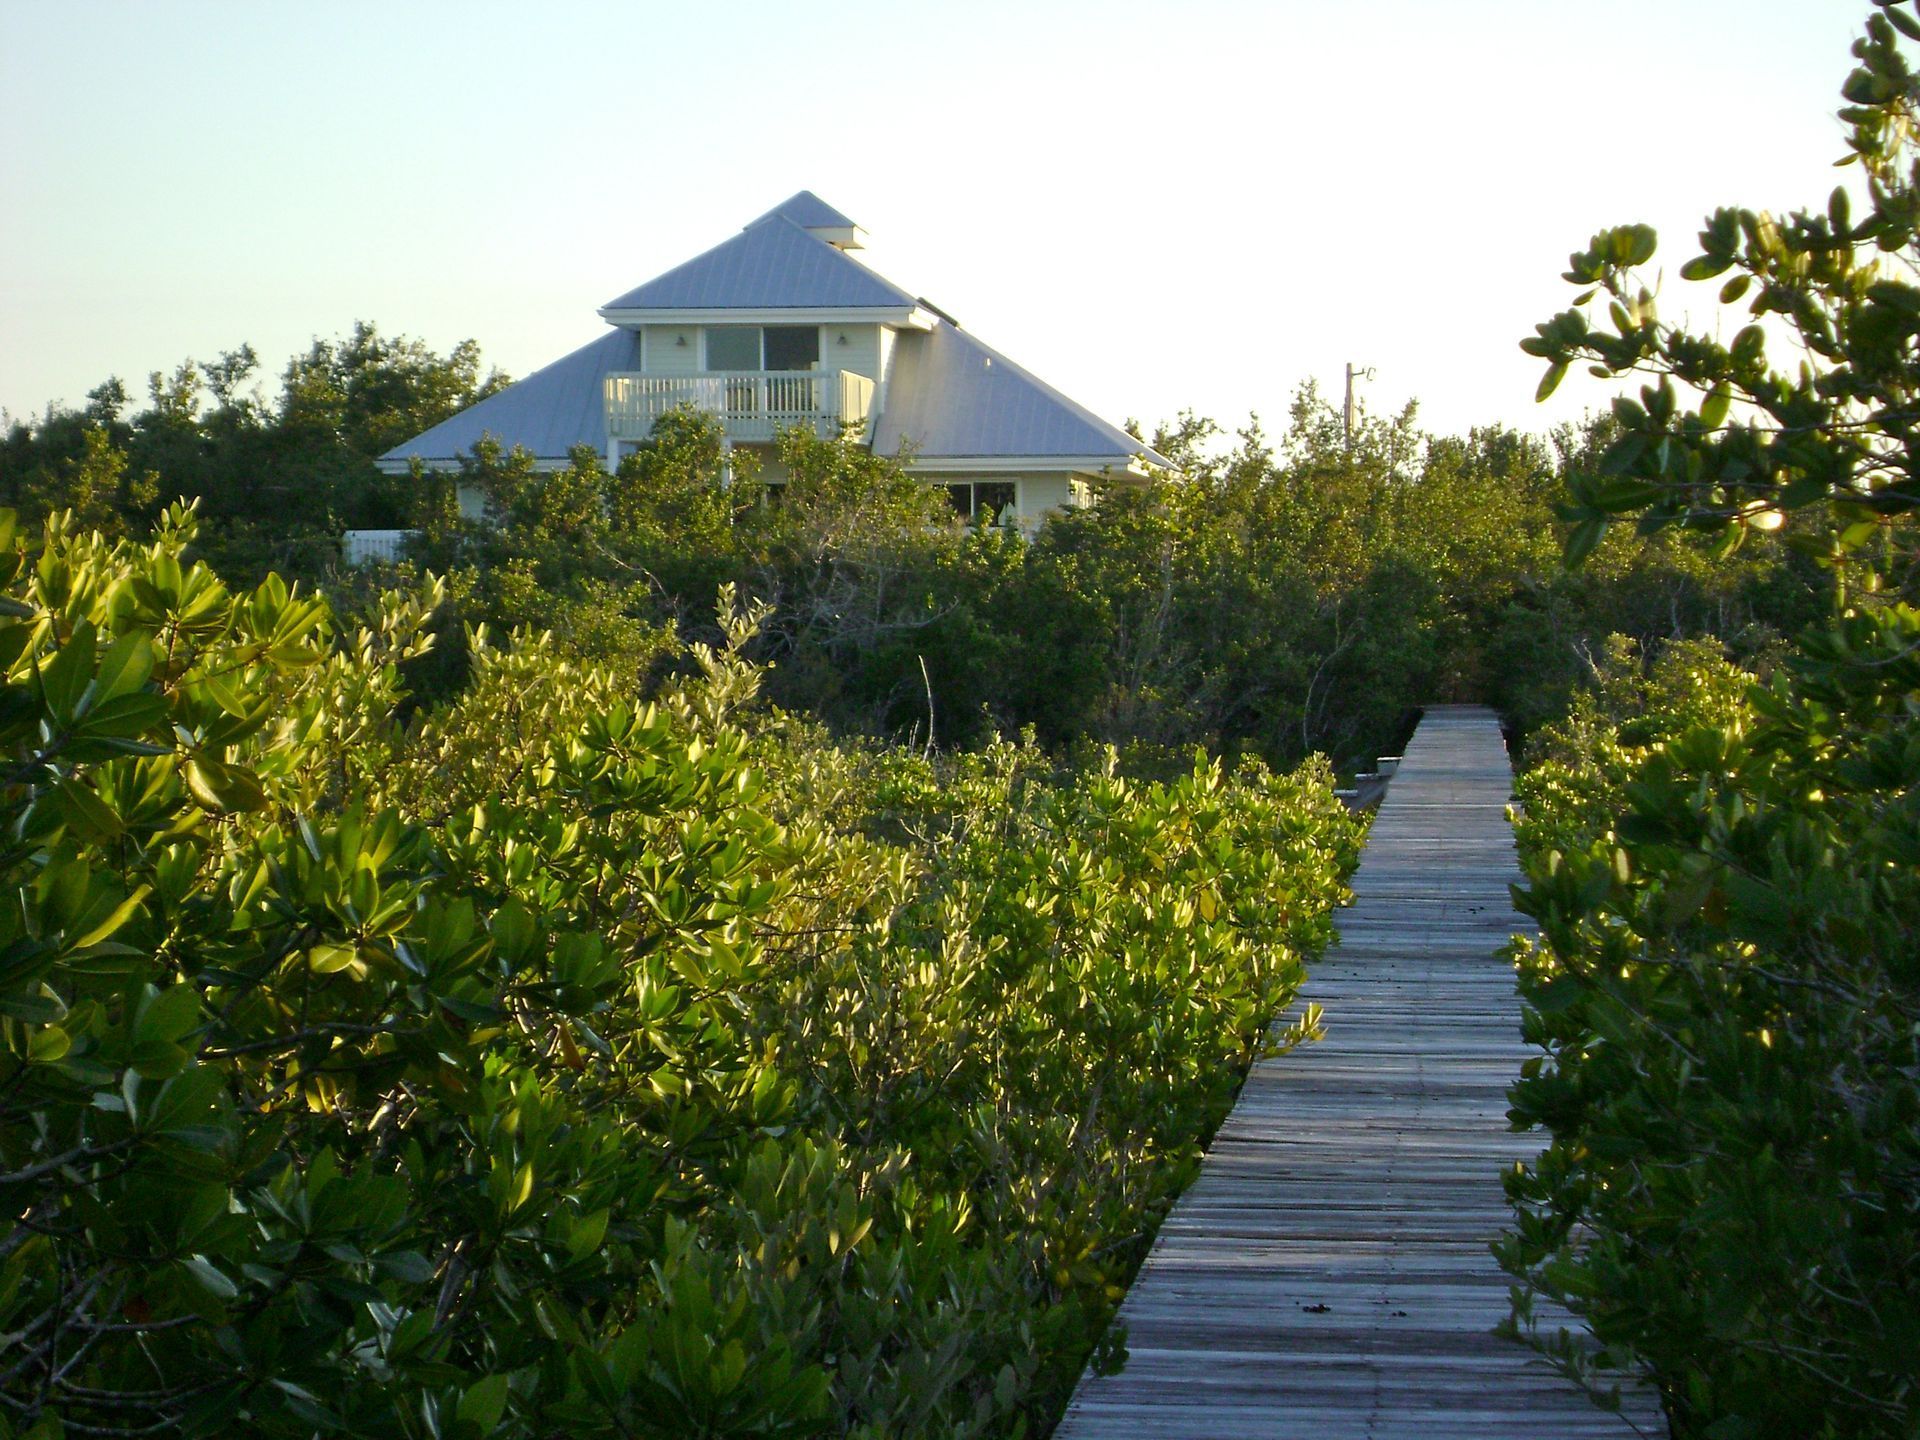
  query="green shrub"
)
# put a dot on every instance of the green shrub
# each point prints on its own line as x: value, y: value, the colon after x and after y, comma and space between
x: 553, y: 1063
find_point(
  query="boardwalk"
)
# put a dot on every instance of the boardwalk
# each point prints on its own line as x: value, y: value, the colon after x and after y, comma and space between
x: 1327, y: 1275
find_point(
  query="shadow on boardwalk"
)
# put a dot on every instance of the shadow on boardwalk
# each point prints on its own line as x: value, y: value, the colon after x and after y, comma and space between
x: 1327, y: 1274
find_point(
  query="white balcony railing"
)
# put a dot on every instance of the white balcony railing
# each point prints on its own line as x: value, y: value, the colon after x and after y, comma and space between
x: 751, y: 404
x: 370, y: 547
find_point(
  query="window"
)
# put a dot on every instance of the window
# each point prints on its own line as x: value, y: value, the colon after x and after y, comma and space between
x: 999, y: 498
x: 763, y: 347
x: 733, y: 347
x: 792, y: 347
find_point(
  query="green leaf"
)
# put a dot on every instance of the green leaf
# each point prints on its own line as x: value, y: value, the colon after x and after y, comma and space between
x: 329, y: 959
x: 1857, y: 535
x: 48, y: 1044
x: 64, y: 679
x: 219, y: 786
x: 484, y: 1403
x: 515, y: 935
x: 1897, y: 295
x: 587, y: 1234
x: 1839, y: 212
x: 1713, y: 410
x: 229, y: 697
x: 1550, y: 381
x: 124, y: 668
x: 522, y: 1188
x: 99, y: 929
x: 409, y: 1266
x: 1749, y: 346
x: 209, y: 1276
x: 1582, y: 540
x: 86, y: 811
x: 186, y: 1102
x: 169, y: 1014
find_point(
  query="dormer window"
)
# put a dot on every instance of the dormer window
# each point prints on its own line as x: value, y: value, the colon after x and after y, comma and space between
x: 763, y: 347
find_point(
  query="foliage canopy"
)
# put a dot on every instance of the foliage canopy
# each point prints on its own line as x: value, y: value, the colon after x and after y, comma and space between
x: 557, y: 1063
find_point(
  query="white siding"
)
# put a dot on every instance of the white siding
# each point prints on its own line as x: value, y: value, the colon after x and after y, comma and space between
x: 861, y: 353
x: 883, y: 362
x: 1041, y: 493
x: 661, y: 356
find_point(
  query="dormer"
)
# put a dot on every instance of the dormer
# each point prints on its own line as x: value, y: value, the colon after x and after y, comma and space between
x: 818, y: 219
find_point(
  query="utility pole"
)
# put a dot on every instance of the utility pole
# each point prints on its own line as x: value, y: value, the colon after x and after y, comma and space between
x: 1347, y: 413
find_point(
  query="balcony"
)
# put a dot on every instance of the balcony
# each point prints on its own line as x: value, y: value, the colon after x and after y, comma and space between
x: 751, y: 404
x: 375, y: 547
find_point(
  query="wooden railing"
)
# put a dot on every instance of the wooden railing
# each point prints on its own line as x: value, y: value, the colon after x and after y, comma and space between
x: 751, y: 404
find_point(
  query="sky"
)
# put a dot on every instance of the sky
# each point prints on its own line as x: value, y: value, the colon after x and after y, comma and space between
x: 1154, y: 207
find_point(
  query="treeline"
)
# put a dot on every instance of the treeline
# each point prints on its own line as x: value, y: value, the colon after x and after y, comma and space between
x: 1277, y: 598
x: 276, y: 479
x: 1272, y: 597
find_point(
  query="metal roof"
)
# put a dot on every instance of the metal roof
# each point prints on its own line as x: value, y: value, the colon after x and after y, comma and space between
x: 949, y: 396
x: 808, y: 211
x: 551, y: 411
x: 774, y: 264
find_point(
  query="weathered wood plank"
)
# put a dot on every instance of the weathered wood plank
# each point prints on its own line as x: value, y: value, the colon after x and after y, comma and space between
x: 1327, y: 1274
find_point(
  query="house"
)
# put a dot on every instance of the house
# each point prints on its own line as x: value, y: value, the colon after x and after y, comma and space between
x: 781, y: 326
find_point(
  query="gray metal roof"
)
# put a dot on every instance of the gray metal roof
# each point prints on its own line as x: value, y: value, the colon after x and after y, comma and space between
x: 808, y: 211
x: 949, y: 396
x: 549, y: 412
x: 774, y: 264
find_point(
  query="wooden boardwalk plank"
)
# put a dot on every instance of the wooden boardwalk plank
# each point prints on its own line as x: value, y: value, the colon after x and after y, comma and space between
x: 1327, y: 1274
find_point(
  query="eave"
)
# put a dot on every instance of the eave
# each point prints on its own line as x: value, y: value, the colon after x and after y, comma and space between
x: 913, y: 317
x: 446, y: 464
x: 1128, y: 468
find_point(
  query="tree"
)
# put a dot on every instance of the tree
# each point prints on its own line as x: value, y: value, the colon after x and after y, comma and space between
x: 1724, y: 874
x: 370, y: 393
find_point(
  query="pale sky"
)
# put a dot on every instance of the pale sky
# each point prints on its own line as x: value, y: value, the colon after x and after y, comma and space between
x: 1152, y: 207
